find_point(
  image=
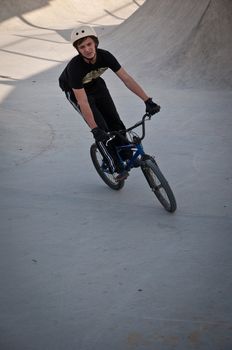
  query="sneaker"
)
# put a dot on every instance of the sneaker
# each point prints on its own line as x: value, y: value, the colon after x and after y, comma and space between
x: 122, y: 176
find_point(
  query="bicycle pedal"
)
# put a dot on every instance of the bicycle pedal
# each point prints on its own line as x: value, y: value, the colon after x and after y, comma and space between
x: 123, y: 176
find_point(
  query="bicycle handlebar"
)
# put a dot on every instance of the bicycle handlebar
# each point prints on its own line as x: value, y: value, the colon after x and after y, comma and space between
x: 120, y: 133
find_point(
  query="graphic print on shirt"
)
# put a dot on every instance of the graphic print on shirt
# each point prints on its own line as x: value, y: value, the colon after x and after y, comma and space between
x: 94, y: 74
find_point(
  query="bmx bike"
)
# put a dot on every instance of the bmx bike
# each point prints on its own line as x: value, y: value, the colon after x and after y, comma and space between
x: 155, y: 178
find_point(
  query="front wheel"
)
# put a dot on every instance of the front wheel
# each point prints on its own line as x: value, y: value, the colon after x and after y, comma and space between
x: 103, y: 169
x: 159, y: 185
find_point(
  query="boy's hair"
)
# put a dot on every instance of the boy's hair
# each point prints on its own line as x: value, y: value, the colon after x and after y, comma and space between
x: 80, y: 41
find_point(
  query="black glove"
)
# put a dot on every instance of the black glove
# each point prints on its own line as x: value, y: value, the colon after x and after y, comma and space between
x: 151, y: 107
x: 100, y: 135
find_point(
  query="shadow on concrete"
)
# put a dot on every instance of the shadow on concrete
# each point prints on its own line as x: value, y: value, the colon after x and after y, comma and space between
x: 12, y: 8
x: 170, y: 270
x: 190, y: 45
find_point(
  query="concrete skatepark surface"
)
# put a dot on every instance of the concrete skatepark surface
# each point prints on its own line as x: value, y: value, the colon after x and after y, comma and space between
x: 83, y: 267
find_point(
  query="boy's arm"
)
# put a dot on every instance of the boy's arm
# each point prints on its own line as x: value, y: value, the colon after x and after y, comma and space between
x: 86, y: 111
x: 131, y: 84
x: 99, y: 134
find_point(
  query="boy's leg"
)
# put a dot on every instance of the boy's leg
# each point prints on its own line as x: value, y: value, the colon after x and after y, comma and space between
x: 108, y: 152
x: 107, y: 107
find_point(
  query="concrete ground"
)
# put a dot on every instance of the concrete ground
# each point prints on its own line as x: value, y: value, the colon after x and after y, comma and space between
x: 84, y: 267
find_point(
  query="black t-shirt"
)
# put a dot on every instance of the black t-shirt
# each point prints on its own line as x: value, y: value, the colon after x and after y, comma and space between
x: 79, y: 74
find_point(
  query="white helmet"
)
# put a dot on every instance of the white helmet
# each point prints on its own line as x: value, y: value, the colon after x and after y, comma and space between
x: 82, y: 32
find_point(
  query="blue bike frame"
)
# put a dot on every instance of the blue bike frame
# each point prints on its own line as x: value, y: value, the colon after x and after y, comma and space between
x: 139, y: 151
x: 135, y: 146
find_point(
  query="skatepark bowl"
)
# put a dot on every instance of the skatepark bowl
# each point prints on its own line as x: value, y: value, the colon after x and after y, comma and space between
x: 84, y: 267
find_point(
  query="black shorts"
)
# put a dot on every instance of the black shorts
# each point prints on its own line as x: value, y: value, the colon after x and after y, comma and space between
x: 103, y: 108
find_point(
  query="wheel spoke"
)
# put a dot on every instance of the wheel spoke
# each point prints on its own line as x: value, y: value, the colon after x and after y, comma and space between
x: 159, y: 185
x: 103, y: 169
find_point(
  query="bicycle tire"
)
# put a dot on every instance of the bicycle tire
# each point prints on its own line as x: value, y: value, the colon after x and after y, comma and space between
x: 106, y: 176
x: 159, y: 185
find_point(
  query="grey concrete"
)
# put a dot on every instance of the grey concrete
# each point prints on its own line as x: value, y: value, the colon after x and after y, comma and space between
x: 181, y: 44
x: 83, y: 267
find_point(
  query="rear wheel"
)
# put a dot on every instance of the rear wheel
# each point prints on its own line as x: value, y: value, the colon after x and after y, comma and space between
x: 159, y: 185
x: 103, y: 169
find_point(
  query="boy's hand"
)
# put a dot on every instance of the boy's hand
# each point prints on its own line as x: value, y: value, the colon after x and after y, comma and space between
x: 100, y: 135
x: 151, y: 107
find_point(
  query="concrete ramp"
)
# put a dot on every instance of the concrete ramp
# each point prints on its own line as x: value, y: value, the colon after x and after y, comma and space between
x: 86, y: 268
x: 60, y: 14
x: 179, y: 44
x: 182, y: 43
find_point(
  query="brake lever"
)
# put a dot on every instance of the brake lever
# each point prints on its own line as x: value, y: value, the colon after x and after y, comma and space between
x: 110, y: 139
x: 148, y: 115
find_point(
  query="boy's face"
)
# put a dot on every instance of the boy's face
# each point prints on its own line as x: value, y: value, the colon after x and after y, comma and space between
x: 87, y: 49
